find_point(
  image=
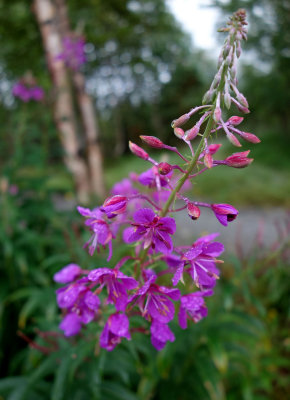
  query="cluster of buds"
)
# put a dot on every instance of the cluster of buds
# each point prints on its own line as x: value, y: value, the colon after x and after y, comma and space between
x: 156, y: 280
x: 26, y: 89
x: 73, y: 51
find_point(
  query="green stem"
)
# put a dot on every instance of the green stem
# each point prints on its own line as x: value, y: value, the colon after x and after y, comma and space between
x: 182, y: 180
x: 192, y: 165
x: 193, y: 162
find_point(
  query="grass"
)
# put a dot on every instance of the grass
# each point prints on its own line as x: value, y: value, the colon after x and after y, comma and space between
x: 260, y: 184
x: 264, y: 183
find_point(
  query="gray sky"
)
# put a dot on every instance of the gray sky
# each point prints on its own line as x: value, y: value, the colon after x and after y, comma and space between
x: 197, y: 20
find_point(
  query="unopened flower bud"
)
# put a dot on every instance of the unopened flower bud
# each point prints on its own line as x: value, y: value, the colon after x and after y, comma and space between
x: 207, y: 98
x: 193, y: 211
x: 191, y: 133
x: 239, y: 160
x: 244, y: 35
x: 213, y: 148
x: 235, y: 120
x: 164, y: 168
x: 152, y: 141
x: 220, y: 60
x: 208, y: 161
x: 178, y: 132
x: 233, y: 139
x: 250, y: 137
x: 216, y: 80
x: 114, y: 205
x: 238, y: 49
x: 225, y: 213
x: 227, y: 100
x: 233, y: 72
x: 217, y: 114
x: 241, y: 98
x: 226, y: 50
x: 229, y: 58
x: 138, y: 151
x: 240, y: 107
x: 180, y: 121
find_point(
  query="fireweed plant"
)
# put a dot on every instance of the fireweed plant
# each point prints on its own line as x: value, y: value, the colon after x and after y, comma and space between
x: 123, y: 303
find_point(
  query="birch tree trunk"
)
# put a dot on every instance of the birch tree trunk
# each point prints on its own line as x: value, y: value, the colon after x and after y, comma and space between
x: 63, y: 104
x: 87, y: 112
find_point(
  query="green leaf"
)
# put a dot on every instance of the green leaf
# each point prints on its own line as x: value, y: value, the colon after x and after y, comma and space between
x: 114, y: 391
x: 61, y: 377
x: 12, y: 382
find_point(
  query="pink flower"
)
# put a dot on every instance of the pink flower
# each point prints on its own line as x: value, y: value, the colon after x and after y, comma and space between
x: 117, y: 285
x: 114, y: 205
x: 192, y: 306
x: 225, y: 213
x: 199, y: 262
x: 81, y: 305
x: 115, y: 329
x: 152, y: 230
x: 160, y: 334
x: 67, y: 274
x: 101, y: 231
x: 239, y: 160
x: 158, y: 304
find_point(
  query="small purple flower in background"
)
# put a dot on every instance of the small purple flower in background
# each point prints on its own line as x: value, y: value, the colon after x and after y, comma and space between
x: 124, y: 188
x: 73, y: 52
x: 36, y: 93
x: 117, y: 285
x: 26, y: 92
x: 192, y: 306
x: 21, y: 91
x: 67, y: 274
x: 160, y: 334
x: 152, y: 179
x: 152, y: 230
x: 13, y: 189
x: 115, y: 329
x: 80, y: 304
x: 71, y: 324
x: 225, y: 213
x: 200, y: 263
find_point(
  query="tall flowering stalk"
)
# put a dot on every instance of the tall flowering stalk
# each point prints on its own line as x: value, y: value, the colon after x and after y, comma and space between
x: 161, y: 279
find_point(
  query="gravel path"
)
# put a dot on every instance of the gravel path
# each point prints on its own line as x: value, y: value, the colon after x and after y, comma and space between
x: 250, y: 223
